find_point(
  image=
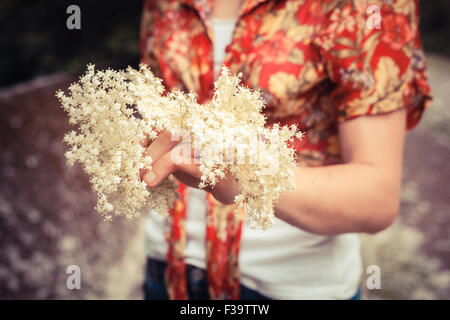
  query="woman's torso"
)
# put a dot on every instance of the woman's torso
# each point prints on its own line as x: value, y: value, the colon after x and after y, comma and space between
x: 284, y: 262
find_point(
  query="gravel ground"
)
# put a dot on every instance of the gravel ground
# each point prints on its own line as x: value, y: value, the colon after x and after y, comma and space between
x: 47, y: 222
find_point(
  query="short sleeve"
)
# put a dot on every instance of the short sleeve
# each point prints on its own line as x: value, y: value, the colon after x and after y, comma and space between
x: 373, y: 54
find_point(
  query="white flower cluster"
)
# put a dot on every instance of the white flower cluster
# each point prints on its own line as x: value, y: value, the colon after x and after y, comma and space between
x: 113, y: 110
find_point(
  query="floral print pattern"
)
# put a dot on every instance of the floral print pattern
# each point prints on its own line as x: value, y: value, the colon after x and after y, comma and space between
x: 316, y: 62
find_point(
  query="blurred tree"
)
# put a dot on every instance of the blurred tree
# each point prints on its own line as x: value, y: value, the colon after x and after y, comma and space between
x: 435, y: 25
x: 35, y: 39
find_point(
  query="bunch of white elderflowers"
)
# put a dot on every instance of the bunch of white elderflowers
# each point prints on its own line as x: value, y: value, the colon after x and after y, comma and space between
x: 114, y: 110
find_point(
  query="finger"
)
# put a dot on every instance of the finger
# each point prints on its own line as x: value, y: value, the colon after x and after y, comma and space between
x: 160, y: 146
x: 146, y: 141
x: 169, y: 164
x: 160, y: 170
x: 142, y: 172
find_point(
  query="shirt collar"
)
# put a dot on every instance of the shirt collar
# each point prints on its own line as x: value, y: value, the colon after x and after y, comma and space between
x: 205, y: 9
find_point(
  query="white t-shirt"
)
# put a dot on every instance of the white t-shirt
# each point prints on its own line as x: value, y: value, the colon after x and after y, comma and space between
x: 284, y: 262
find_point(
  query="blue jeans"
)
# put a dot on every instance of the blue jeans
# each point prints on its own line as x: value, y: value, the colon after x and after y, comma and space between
x: 197, y: 284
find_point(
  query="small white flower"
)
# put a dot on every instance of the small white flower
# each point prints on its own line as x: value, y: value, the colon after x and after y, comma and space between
x: 113, y: 111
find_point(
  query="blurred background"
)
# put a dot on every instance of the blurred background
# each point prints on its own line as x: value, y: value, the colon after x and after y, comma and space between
x: 47, y: 220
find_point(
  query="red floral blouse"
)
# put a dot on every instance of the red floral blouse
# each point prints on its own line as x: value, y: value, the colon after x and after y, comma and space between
x: 316, y: 62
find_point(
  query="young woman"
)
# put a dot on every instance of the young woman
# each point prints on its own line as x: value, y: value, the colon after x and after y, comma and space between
x: 351, y: 74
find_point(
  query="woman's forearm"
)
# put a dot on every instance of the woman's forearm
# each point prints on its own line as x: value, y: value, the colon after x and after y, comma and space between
x: 340, y: 198
x: 360, y: 195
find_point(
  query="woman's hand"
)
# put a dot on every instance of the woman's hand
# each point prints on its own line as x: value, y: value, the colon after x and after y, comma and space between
x: 170, y: 156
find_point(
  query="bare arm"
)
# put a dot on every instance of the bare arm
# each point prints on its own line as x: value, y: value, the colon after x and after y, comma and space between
x: 361, y: 195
